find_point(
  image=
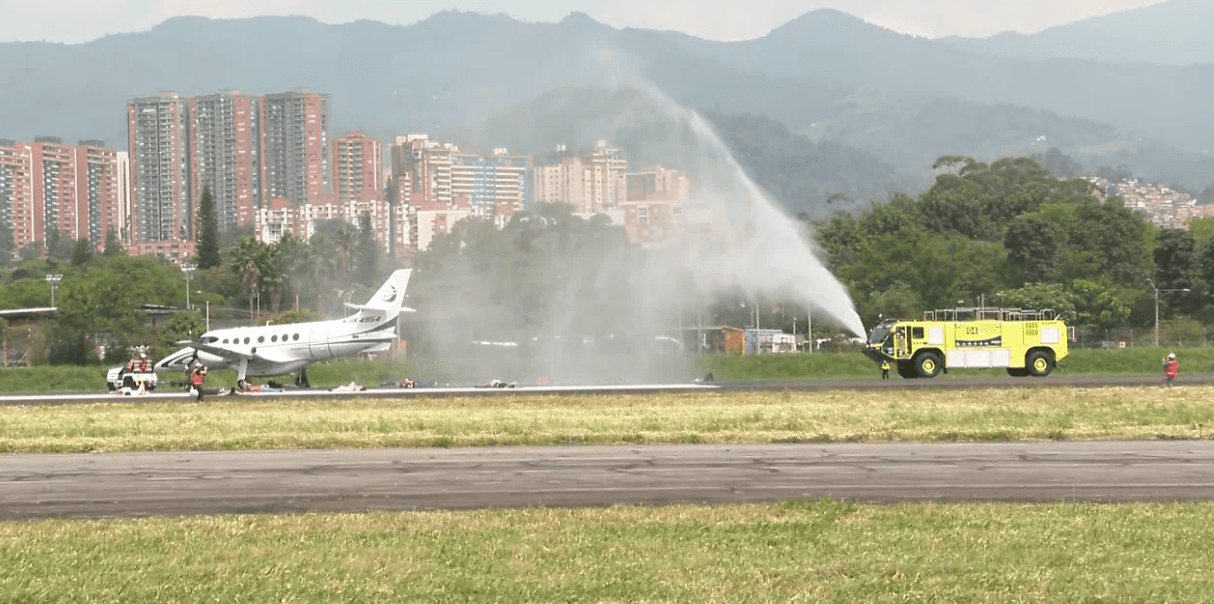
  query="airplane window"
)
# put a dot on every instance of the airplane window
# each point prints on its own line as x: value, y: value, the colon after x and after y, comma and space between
x: 295, y: 337
x: 261, y: 339
x: 274, y: 338
x: 225, y: 340
x: 246, y: 339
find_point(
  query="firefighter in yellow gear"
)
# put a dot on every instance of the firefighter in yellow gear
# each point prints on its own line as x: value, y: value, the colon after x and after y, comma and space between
x: 885, y: 370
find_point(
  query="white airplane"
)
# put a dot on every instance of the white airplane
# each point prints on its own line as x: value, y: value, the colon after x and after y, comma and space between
x: 280, y: 349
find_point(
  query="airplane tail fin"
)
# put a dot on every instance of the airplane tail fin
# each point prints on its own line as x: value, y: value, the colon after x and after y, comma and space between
x: 391, y: 294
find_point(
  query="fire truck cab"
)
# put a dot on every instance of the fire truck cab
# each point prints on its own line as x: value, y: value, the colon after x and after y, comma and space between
x: 1026, y: 342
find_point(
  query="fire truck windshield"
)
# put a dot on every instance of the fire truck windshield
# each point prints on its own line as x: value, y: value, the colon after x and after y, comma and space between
x: 880, y: 332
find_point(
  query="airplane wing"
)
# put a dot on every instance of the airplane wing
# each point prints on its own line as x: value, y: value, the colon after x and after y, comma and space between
x: 375, y: 308
x: 219, y: 351
x: 376, y: 337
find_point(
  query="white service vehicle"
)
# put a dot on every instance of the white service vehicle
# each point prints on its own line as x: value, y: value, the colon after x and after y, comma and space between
x: 118, y: 377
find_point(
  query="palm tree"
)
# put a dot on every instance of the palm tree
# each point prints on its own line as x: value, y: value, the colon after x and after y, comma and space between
x: 346, y: 240
x: 250, y: 276
x: 247, y: 258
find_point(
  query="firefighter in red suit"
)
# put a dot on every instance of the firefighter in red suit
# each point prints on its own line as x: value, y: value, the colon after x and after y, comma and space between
x: 1171, y: 367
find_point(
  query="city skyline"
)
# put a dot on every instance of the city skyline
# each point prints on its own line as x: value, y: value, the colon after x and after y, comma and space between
x: 77, y: 21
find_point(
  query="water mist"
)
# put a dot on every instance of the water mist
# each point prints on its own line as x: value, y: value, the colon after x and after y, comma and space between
x: 610, y: 315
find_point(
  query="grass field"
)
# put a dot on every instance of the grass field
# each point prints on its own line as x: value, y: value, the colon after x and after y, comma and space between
x: 816, y: 552
x: 793, y: 552
x: 732, y: 417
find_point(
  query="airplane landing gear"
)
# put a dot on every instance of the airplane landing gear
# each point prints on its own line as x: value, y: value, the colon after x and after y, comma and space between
x: 302, y: 379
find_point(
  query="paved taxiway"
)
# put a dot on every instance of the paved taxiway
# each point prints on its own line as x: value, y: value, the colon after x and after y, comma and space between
x: 941, y: 383
x: 140, y: 484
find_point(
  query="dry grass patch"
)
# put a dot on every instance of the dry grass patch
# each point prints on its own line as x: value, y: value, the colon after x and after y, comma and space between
x: 899, y: 415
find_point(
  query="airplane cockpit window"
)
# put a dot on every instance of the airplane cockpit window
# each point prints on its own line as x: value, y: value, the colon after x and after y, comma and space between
x: 209, y: 339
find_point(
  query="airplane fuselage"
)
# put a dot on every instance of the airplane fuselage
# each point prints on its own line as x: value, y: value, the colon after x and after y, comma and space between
x: 282, y: 349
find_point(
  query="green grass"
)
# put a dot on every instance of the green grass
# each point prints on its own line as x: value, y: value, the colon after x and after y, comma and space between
x: 817, y: 366
x: 765, y: 417
x: 817, y: 552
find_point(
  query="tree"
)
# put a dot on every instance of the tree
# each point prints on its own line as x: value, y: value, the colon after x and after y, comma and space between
x: 31, y: 251
x: 1103, y: 306
x: 82, y: 253
x: 208, y: 231
x: 247, y: 259
x: 295, y: 316
x: 113, y: 247
x: 368, y: 251
x: 1040, y: 296
x: 250, y: 277
x: 8, y: 246
x: 346, y: 240
x: 182, y: 326
x: 1175, y: 268
x: 1032, y: 248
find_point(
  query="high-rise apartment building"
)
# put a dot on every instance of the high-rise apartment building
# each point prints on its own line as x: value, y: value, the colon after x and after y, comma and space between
x: 161, y: 204
x: 605, y: 166
x: 17, y: 193
x: 422, y: 170
x: 589, y: 182
x: 655, y: 183
x: 50, y: 190
x: 57, y: 195
x: 491, y: 182
x: 103, y: 187
x: 297, y: 151
x: 226, y: 154
x: 357, y: 170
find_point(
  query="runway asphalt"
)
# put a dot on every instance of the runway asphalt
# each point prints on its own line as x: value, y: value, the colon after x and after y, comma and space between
x: 187, y: 483
x: 142, y: 484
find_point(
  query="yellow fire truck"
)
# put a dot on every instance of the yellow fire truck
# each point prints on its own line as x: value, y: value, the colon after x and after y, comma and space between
x: 1026, y: 342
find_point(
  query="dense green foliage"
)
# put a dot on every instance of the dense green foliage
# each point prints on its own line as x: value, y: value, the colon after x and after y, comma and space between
x: 208, y: 231
x: 1009, y: 234
x: 114, y: 301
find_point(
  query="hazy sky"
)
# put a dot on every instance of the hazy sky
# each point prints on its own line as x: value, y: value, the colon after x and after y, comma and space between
x: 82, y: 20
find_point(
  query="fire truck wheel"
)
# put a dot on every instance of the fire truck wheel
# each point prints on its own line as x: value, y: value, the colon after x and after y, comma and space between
x: 906, y: 370
x: 927, y: 364
x: 1040, y: 363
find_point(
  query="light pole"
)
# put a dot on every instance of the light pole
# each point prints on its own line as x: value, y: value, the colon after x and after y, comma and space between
x: 187, y: 269
x: 54, y: 280
x: 1157, y: 290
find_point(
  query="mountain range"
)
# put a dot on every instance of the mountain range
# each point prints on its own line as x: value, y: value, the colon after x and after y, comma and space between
x: 831, y: 77
x: 1173, y: 33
